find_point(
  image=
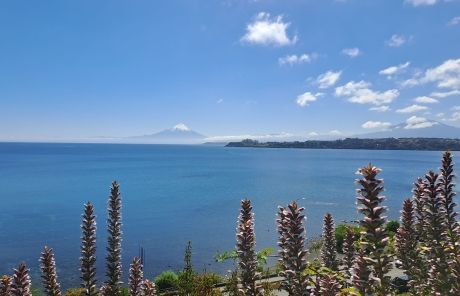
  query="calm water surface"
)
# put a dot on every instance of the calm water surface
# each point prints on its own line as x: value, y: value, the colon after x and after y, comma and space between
x: 172, y: 194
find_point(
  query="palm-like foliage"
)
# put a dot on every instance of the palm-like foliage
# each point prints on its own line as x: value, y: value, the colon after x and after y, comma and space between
x: 246, y: 250
x: 88, y: 250
x: 375, y: 238
x: 21, y: 281
x: 292, y: 251
x: 136, y: 277
x: 114, y: 242
x: 49, y: 275
x: 329, y: 247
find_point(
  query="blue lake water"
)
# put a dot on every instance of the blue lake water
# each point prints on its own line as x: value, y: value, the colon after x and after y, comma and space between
x: 172, y: 194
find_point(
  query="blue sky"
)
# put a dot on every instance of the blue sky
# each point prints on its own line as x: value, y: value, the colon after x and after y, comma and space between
x: 76, y: 69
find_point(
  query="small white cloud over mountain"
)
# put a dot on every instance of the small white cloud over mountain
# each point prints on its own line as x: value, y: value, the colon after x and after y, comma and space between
x: 268, y: 30
x: 415, y: 122
x: 376, y: 124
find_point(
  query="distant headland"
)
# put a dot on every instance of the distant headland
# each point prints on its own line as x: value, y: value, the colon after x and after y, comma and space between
x: 431, y: 144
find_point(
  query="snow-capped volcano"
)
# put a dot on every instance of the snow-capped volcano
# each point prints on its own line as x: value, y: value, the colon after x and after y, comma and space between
x: 178, y: 134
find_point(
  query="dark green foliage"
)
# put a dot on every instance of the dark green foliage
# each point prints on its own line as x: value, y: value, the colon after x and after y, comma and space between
x: 136, y: 276
x: 88, y: 250
x: 375, y: 238
x: 340, y: 233
x: 167, y: 280
x: 391, y: 227
x: 114, y: 242
x: 245, y: 247
x: 433, y: 144
x: 21, y: 281
x: 49, y: 276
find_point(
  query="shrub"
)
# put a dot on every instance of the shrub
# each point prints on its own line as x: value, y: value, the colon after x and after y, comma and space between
x: 167, y: 280
x: 75, y: 292
x: 392, y: 227
x: 205, y: 283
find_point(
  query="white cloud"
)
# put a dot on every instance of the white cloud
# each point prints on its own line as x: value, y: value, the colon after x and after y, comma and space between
x: 328, y: 79
x: 455, y: 108
x: 393, y: 70
x: 334, y: 133
x: 296, y: 59
x: 425, y: 100
x: 421, y: 2
x: 181, y: 127
x: 376, y: 124
x: 446, y: 75
x: 266, y: 30
x: 412, y: 109
x: 415, y: 122
x: 352, y: 52
x: 445, y: 94
x: 396, y: 40
x: 380, y: 108
x: 360, y: 93
x: 455, y: 116
x: 304, y: 99
x: 454, y: 21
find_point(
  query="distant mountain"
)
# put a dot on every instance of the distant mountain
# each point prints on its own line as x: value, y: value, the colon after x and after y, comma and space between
x: 179, y: 134
x: 421, y: 129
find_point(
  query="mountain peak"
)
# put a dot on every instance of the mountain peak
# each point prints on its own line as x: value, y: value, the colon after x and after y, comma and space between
x: 181, y: 127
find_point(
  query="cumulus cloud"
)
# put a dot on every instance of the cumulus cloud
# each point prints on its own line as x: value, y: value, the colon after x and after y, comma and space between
x: 454, y: 21
x: 396, y: 40
x: 296, y: 59
x: 306, y: 98
x: 380, y: 108
x: 445, y: 94
x: 425, y: 100
x: 415, y: 122
x: 360, y: 93
x: 446, y: 75
x: 421, y: 2
x: 412, y: 109
x: 393, y: 70
x: 328, y: 79
x: 267, y: 30
x: 376, y: 124
x: 352, y: 52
